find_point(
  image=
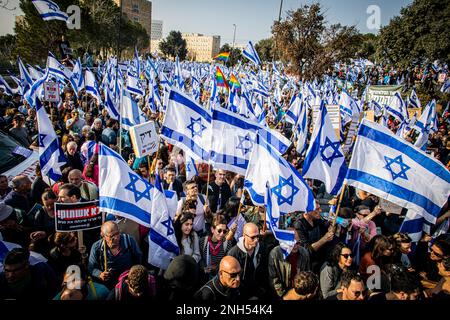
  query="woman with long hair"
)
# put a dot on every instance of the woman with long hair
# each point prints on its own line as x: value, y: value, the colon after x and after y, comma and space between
x: 187, y: 238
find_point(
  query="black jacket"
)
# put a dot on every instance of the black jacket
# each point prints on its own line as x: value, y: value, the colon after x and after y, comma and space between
x: 254, y: 279
x: 214, y: 291
x: 215, y: 192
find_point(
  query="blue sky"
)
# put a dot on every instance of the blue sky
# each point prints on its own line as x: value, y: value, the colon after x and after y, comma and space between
x: 253, y: 18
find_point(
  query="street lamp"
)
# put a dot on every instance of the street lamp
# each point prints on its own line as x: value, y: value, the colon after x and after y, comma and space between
x: 234, y: 35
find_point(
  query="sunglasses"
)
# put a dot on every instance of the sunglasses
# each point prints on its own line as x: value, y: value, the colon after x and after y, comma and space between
x: 221, y: 230
x: 437, y: 254
x: 253, y: 237
x: 347, y: 255
x: 233, y: 275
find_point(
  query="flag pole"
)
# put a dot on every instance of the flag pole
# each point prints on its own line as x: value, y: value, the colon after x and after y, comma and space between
x: 207, y: 183
x: 339, y: 204
x: 265, y: 220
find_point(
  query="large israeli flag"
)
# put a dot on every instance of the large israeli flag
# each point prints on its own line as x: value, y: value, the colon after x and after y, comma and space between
x: 324, y: 159
x: 295, y: 108
x: 266, y: 165
x: 163, y: 246
x: 187, y: 125
x: 391, y: 168
x: 51, y: 157
x: 426, y: 124
x: 123, y: 192
x: 251, y: 54
x: 48, y: 10
x: 134, y: 85
x: 26, y: 81
x: 36, y: 89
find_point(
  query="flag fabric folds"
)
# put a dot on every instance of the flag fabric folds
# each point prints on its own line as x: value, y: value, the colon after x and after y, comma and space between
x: 51, y: 156
x: 223, y: 56
x: 266, y: 165
x: 251, y: 54
x: 324, y: 159
x: 122, y: 192
x: 187, y: 125
x: 163, y: 246
x: 48, y: 10
x: 393, y: 169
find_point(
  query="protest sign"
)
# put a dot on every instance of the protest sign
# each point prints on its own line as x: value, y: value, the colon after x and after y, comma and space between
x: 77, y: 216
x: 388, y: 206
x: 51, y: 92
x: 144, y: 139
x: 382, y: 94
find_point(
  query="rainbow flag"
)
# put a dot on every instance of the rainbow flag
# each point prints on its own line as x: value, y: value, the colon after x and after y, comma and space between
x: 234, y: 82
x: 222, y: 56
x: 220, y: 78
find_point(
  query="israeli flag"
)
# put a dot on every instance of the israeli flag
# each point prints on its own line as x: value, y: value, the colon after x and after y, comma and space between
x: 414, y: 101
x: 301, y: 130
x: 57, y: 69
x: 266, y: 165
x: 397, y: 107
x: 92, y: 86
x: 426, y: 124
x: 251, y: 54
x: 295, y: 108
x: 191, y: 168
x: 111, y: 105
x: 131, y: 114
x: 324, y: 159
x: 163, y: 246
x: 48, y: 10
x: 26, y: 81
x: 392, y: 169
x: 8, y: 89
x: 134, y: 85
x: 77, y: 79
x: 36, y: 89
x: 347, y: 106
x: 187, y: 125
x: 178, y: 75
x: 286, y: 238
x: 414, y: 224
x: 123, y: 192
x: 51, y: 157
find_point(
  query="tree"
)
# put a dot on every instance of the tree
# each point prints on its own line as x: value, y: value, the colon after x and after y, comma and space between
x: 368, y: 46
x: 265, y: 49
x: 235, y: 54
x: 418, y: 34
x: 310, y: 48
x: 174, y: 45
x: 7, y: 44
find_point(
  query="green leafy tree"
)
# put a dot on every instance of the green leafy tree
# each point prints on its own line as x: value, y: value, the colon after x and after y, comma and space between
x: 418, y: 34
x: 265, y: 49
x: 174, y: 45
x: 7, y: 45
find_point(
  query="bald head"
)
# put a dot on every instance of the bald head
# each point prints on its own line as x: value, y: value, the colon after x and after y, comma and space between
x: 108, y: 227
x: 74, y: 177
x: 250, y: 228
x: 251, y: 236
x: 230, y: 272
x: 21, y: 184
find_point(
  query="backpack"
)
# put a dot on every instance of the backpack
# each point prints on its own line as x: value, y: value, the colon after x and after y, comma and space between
x: 124, y: 276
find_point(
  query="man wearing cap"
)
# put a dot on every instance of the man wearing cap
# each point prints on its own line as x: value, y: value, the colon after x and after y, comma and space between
x: 19, y: 197
x: 10, y: 229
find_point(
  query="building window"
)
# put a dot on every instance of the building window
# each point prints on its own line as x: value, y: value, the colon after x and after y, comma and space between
x: 135, y: 8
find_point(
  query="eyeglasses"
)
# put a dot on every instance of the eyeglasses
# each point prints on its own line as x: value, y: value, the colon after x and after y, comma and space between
x: 221, y: 230
x: 233, y: 275
x: 347, y: 255
x: 252, y: 237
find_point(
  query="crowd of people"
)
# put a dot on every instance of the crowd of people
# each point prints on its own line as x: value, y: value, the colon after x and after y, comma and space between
x: 363, y: 258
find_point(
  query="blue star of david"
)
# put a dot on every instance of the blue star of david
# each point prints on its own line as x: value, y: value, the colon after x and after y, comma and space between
x: 41, y: 140
x: 403, y: 167
x: 336, y: 153
x: 275, y: 222
x: 277, y: 190
x: 138, y: 195
x: 196, y: 131
x: 188, y: 167
x: 245, y: 144
x: 76, y: 76
x: 168, y: 224
x: 52, y: 6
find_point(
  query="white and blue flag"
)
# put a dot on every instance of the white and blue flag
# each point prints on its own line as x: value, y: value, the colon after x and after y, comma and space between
x: 397, y: 107
x: 414, y: 101
x: 48, y: 10
x: 26, y: 81
x: 57, y: 69
x: 36, y: 89
x: 187, y: 125
x: 426, y: 124
x: 324, y: 159
x: 77, y: 78
x: 123, y: 192
x: 286, y: 238
x: 251, y: 54
x: 191, y: 169
x: 266, y: 165
x: 92, y: 86
x: 163, y: 246
x: 393, y: 169
x: 51, y: 156
x: 111, y: 105
x: 131, y: 114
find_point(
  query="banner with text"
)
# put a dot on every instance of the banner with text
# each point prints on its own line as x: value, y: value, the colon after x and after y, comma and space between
x: 77, y: 216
